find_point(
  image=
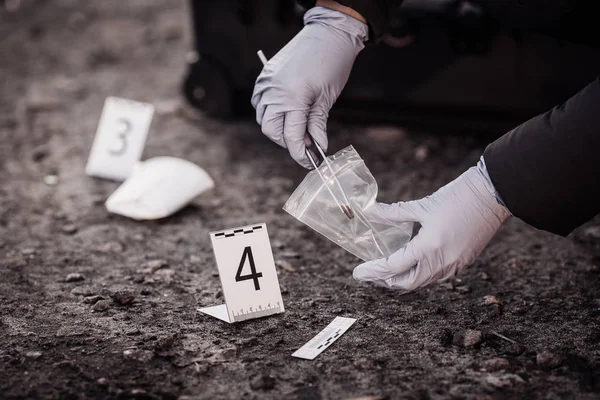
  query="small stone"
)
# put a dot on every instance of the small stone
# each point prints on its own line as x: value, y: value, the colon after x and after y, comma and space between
x: 152, y: 266
x: 262, y: 382
x: 548, y: 360
x: 283, y: 264
x: 74, y: 277
x: 33, y: 354
x: 290, y: 254
x: 484, y: 276
x: 102, y: 382
x: 195, y: 259
x: 83, y: 291
x: 111, y: 247
x: 92, y: 299
x: 421, y: 153
x: 215, y: 274
x: 495, y: 364
x: 145, y: 292
x: 467, y: 338
x: 138, y: 355
x: 123, y: 297
x: 592, y: 232
x: 504, y: 380
x: 132, y: 331
x: 51, y: 180
x: 165, y: 343
x: 69, y: 229
x: 489, y: 300
x: 463, y: 289
x: 337, y: 310
x: 101, y: 306
x: 28, y: 251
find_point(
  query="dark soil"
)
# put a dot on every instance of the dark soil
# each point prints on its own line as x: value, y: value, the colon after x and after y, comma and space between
x: 86, y: 339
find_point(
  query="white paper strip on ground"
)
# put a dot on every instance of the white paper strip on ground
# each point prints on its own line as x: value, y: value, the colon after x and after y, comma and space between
x: 325, y: 338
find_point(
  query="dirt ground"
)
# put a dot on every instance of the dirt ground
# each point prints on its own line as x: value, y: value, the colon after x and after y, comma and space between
x: 538, y: 338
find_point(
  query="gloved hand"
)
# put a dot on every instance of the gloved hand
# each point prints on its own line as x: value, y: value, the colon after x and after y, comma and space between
x: 457, y: 222
x: 298, y: 86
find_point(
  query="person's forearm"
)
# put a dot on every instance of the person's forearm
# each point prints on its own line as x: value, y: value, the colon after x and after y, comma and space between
x: 546, y: 170
x: 334, y: 5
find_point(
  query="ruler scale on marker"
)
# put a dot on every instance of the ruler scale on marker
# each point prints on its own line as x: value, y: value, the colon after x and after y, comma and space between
x: 325, y: 338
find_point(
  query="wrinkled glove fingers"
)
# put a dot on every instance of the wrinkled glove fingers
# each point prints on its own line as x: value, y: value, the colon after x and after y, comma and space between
x: 294, y: 130
x: 273, y: 124
x: 394, y: 213
x: 317, y: 126
x: 383, y: 269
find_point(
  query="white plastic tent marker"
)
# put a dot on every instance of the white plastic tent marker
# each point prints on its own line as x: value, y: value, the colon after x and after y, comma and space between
x: 248, y: 274
x: 120, y: 138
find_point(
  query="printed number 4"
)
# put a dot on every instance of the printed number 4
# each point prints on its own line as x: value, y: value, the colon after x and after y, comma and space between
x: 125, y: 126
x: 254, y: 275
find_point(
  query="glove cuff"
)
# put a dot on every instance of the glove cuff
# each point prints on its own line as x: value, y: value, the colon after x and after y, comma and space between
x: 338, y: 20
x: 482, y: 169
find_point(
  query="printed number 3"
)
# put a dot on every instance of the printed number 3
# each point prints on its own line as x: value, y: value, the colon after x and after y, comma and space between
x: 125, y: 128
x: 254, y: 275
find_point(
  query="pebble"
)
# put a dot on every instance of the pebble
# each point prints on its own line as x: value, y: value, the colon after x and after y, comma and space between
x: 132, y: 331
x: 51, y: 180
x: 547, y: 359
x: 495, y: 364
x: 504, y: 380
x: 74, y: 277
x: 138, y: 355
x: 101, y: 306
x: 592, y: 232
x: 92, y: 299
x: 463, y: 289
x: 111, y: 247
x: 285, y: 265
x: 83, y: 291
x: 123, y: 297
x: 33, y: 354
x: 195, y: 259
x: 69, y: 229
x: 102, y: 381
x: 290, y: 254
x: 165, y: 343
x: 467, y: 338
x: 262, y: 382
x: 152, y: 266
x: 421, y: 153
x: 489, y: 300
x: 28, y: 251
x: 145, y: 292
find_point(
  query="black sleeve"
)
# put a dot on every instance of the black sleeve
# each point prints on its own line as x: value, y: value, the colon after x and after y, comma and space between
x: 547, y: 170
x: 376, y: 12
x: 575, y: 20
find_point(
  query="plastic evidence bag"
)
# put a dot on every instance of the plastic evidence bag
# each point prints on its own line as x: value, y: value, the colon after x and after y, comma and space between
x: 366, y: 238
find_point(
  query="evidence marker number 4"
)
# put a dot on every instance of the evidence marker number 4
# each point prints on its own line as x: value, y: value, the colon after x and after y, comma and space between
x: 248, y: 275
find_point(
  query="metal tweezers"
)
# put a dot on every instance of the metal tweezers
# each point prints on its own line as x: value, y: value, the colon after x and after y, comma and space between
x: 345, y: 204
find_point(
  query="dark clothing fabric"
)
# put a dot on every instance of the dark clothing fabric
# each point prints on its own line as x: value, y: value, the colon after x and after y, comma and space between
x: 547, y: 170
x: 575, y: 20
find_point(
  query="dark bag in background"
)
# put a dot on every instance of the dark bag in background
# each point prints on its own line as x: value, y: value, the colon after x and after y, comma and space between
x: 461, y: 72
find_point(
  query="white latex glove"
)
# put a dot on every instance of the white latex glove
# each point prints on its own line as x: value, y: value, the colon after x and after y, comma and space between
x: 457, y: 222
x: 298, y: 86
